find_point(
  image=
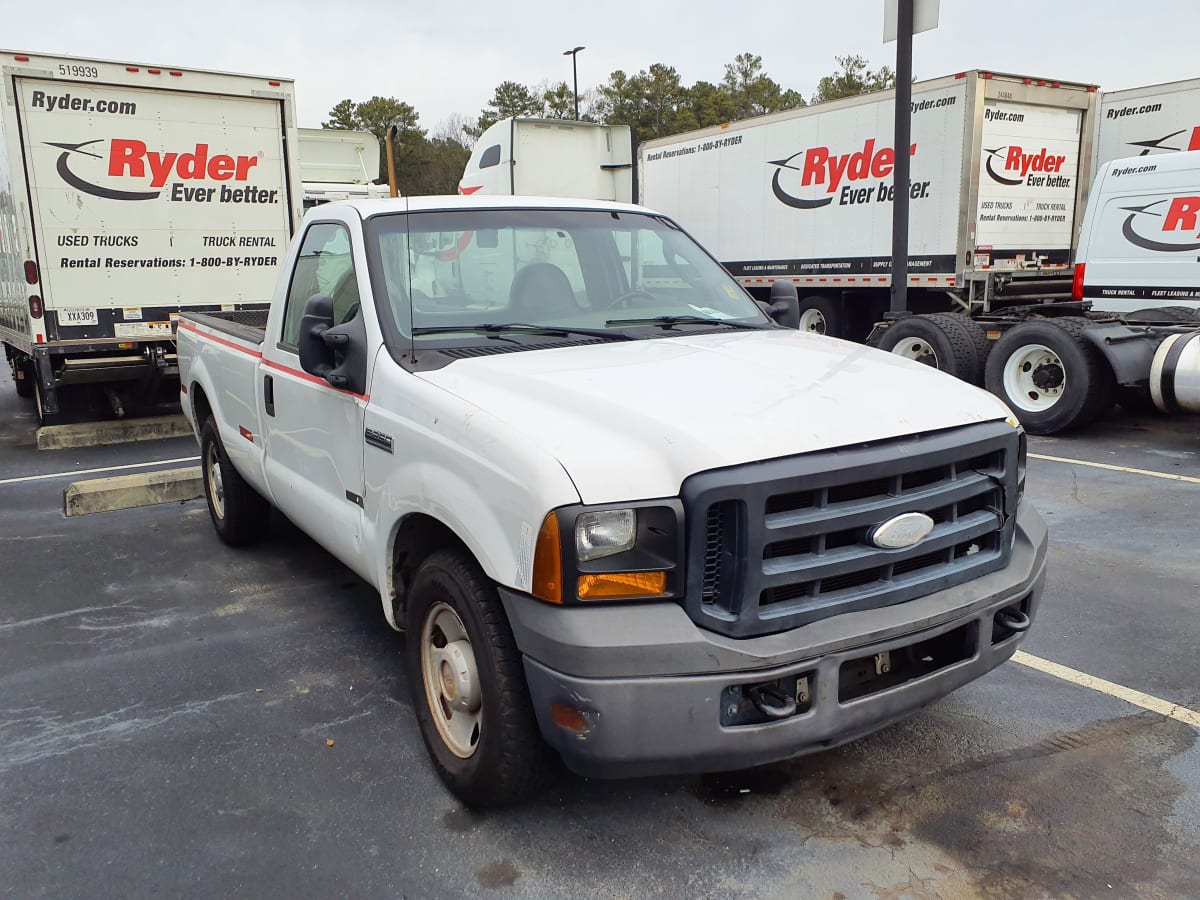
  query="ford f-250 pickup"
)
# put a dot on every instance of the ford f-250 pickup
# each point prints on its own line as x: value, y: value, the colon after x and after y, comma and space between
x: 624, y: 516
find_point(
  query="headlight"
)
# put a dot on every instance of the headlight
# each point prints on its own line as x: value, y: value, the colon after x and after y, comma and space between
x: 632, y: 552
x: 606, y: 532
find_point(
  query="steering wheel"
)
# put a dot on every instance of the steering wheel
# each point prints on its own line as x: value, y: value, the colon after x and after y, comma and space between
x: 626, y: 300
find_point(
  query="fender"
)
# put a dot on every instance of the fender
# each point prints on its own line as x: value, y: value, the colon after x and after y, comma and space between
x: 1129, y: 351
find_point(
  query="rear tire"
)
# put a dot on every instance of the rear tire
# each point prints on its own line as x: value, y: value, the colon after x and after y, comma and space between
x: 239, y: 513
x: 1050, y: 375
x: 821, y: 315
x: 23, y: 375
x: 941, y: 341
x: 1164, y: 314
x: 479, y: 729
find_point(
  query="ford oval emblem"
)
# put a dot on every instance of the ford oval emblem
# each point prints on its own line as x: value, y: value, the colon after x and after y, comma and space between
x: 903, y: 531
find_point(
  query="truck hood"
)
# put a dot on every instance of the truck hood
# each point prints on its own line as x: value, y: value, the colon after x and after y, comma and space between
x: 631, y: 420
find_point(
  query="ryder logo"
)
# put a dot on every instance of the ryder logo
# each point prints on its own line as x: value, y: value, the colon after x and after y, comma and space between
x: 131, y: 167
x: 1036, y: 169
x: 817, y: 176
x: 1180, y: 219
x: 1160, y: 144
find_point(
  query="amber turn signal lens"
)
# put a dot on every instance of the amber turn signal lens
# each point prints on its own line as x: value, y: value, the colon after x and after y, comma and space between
x: 547, y: 562
x: 622, y: 585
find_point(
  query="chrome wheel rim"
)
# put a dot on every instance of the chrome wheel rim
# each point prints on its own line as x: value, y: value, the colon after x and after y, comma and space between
x: 451, y: 678
x: 216, y: 486
x: 917, y: 349
x: 813, y: 320
x: 1034, y: 378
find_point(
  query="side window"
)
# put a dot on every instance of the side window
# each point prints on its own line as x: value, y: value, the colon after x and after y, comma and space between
x: 491, y: 157
x: 324, y: 266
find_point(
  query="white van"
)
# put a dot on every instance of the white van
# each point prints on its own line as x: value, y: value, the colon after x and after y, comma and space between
x: 1139, y: 246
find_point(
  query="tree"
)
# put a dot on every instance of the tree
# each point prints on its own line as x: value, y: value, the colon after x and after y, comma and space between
x: 558, y: 101
x: 377, y: 116
x: 509, y: 99
x: 852, y: 79
x: 751, y: 92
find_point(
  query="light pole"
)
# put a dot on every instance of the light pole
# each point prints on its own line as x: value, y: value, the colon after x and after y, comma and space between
x: 575, y: 74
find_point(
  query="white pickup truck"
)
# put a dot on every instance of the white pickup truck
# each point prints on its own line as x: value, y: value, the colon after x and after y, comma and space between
x: 623, y: 515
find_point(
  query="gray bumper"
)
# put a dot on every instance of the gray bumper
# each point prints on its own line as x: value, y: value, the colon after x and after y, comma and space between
x: 650, y: 684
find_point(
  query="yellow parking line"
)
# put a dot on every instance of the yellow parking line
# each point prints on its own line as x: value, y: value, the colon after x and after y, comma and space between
x: 1190, y: 479
x: 1129, y: 695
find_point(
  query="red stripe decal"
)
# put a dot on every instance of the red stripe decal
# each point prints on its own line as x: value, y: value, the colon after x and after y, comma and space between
x: 467, y: 191
x: 246, y: 433
x: 183, y: 388
x: 311, y: 379
x: 187, y: 326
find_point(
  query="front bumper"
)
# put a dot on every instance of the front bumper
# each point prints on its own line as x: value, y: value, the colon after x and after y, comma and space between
x: 643, y: 687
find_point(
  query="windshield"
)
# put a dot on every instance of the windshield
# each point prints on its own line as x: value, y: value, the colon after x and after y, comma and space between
x: 616, y: 273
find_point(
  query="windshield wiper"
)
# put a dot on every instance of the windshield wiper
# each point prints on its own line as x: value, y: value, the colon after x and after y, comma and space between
x: 672, y: 321
x: 496, y: 329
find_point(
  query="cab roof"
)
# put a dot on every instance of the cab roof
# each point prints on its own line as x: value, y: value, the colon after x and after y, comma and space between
x: 368, y: 208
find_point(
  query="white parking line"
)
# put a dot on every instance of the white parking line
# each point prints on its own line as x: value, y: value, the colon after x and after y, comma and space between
x: 73, y: 473
x: 1137, y: 698
x: 1098, y: 465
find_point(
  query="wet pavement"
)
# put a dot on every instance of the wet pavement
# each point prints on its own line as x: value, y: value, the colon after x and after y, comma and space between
x: 166, y: 706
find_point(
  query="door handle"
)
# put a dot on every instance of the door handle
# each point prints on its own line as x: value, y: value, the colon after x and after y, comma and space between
x: 269, y: 394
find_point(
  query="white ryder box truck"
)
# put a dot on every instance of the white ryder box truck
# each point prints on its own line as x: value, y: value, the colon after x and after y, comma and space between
x: 129, y: 193
x: 339, y: 165
x: 1000, y: 167
x: 1148, y: 121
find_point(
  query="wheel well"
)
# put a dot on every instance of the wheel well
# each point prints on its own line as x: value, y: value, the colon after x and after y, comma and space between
x: 419, y: 537
x: 201, y: 408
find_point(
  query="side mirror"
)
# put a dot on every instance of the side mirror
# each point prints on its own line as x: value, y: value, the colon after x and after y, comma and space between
x: 785, y: 304
x: 316, y: 357
x: 339, y: 355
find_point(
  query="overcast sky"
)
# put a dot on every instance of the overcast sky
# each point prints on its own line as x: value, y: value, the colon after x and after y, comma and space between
x: 446, y: 58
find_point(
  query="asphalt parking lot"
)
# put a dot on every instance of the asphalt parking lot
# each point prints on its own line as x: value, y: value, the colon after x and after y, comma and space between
x: 177, y: 718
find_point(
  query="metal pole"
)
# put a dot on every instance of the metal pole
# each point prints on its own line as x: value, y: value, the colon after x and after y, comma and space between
x: 904, y: 22
x: 574, y: 54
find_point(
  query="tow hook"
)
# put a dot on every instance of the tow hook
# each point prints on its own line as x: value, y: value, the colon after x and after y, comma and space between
x: 771, y: 701
x: 1013, y: 619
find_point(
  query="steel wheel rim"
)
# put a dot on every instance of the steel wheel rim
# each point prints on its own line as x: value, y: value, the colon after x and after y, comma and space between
x: 216, y: 485
x: 1030, y: 362
x: 917, y: 349
x: 452, y: 689
x: 813, y: 320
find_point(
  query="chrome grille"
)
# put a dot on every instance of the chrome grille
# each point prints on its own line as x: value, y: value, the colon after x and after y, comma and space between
x: 796, y: 530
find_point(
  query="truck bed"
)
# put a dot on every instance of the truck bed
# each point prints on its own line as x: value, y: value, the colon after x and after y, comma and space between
x: 246, y: 324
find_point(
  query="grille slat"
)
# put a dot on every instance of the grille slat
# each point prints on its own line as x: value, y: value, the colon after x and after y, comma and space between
x: 812, y: 565
x: 797, y: 547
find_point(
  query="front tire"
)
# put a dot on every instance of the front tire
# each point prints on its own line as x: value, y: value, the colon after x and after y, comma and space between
x: 239, y: 513
x: 468, y: 686
x: 1050, y: 375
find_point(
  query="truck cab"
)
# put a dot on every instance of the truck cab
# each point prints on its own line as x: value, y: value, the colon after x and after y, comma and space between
x: 628, y: 520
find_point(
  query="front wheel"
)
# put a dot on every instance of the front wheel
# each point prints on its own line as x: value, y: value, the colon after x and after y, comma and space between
x: 239, y: 513
x: 468, y: 686
x: 1050, y: 375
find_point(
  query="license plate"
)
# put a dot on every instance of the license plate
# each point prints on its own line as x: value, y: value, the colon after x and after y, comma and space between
x: 77, y: 317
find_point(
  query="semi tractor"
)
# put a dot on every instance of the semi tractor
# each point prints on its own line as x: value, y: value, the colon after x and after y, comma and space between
x: 552, y: 158
x: 129, y: 193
